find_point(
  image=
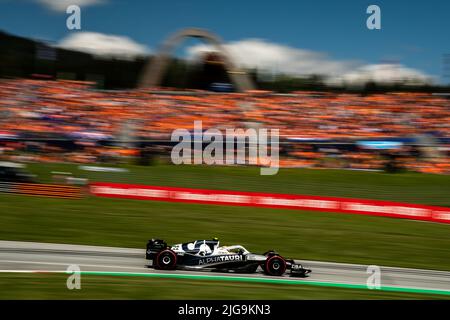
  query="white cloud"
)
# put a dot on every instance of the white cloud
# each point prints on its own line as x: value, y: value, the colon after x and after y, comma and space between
x: 103, y: 45
x: 384, y: 73
x: 273, y: 57
x: 276, y: 58
x: 61, y: 5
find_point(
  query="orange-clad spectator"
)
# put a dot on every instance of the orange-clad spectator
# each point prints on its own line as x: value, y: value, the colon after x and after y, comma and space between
x: 40, y: 108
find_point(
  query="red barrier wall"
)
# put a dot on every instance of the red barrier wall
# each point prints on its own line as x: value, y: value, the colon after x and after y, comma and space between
x: 272, y: 200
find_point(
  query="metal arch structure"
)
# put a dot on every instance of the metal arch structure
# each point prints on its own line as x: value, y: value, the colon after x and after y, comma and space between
x: 156, y: 66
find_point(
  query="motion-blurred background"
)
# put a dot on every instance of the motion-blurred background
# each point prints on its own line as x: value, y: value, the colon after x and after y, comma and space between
x: 87, y: 96
x: 371, y: 107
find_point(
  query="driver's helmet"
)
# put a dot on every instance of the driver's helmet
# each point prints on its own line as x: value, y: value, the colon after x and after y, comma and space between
x: 204, y: 249
x: 207, y: 247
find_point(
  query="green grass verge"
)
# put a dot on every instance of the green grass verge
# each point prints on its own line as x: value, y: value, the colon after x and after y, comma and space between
x: 53, y: 286
x: 298, y: 234
x: 408, y: 187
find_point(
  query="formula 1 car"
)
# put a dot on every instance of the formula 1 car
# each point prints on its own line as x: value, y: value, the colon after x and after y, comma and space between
x: 207, y: 254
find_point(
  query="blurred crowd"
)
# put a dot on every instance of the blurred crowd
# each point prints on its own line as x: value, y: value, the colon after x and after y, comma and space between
x: 70, y: 109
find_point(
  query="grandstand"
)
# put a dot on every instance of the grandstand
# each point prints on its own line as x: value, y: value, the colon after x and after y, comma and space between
x: 317, y: 129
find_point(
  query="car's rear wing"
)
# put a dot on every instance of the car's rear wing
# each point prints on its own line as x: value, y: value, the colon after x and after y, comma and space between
x: 153, y: 247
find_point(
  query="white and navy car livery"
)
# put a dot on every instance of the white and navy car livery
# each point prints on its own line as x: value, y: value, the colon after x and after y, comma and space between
x: 208, y: 254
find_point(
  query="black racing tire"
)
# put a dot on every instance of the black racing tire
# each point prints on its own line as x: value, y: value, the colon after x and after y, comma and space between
x: 275, y: 265
x: 166, y: 260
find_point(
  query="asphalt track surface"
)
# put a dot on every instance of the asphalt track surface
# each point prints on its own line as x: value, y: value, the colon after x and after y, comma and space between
x: 46, y: 257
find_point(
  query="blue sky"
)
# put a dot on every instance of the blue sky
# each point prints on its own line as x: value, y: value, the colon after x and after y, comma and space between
x: 413, y: 33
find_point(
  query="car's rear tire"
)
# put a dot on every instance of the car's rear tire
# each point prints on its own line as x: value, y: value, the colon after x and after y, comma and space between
x: 166, y: 260
x: 275, y: 265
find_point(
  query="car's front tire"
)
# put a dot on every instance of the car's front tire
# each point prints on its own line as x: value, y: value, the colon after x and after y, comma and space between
x: 275, y: 265
x: 165, y: 260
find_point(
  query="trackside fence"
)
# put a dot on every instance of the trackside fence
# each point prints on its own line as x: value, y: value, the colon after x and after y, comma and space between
x: 44, y: 190
x: 272, y: 200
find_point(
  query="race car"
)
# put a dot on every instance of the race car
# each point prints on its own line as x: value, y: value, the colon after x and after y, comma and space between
x: 208, y: 254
